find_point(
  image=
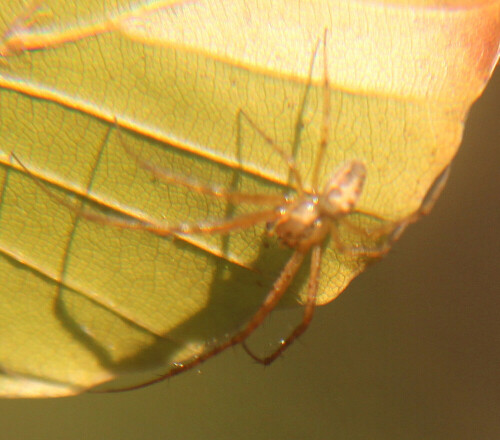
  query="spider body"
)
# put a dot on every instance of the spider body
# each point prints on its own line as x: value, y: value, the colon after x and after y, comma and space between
x: 308, y: 220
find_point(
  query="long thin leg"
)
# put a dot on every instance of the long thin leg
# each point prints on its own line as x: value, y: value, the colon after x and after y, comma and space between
x: 192, y: 184
x: 426, y: 206
x: 273, y: 297
x: 392, y: 230
x: 325, y: 128
x: 211, y: 190
x: 299, y: 125
x: 360, y: 250
x: 309, y: 308
x: 218, y: 226
x: 432, y: 195
x: 289, y: 160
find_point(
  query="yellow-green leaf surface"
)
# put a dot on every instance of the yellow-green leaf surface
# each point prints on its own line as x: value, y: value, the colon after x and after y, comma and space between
x: 81, y: 302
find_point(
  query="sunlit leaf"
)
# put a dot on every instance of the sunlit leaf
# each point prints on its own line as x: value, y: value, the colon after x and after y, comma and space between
x: 82, y: 303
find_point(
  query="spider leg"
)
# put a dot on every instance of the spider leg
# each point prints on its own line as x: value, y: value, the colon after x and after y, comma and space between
x: 326, y: 118
x: 289, y: 160
x: 273, y: 297
x: 217, y: 226
x: 384, y: 229
x: 309, y: 308
x: 426, y: 206
x: 392, y: 230
x: 432, y: 195
x: 370, y: 252
x: 192, y: 184
x: 211, y: 190
x: 88, y: 214
x: 299, y: 124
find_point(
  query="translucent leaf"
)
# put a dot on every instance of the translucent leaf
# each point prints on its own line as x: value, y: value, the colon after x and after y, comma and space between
x: 82, y: 303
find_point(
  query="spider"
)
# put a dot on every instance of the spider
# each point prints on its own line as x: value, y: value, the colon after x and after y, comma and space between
x: 302, y: 222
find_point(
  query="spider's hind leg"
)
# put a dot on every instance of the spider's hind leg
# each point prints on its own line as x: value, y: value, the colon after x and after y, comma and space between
x: 309, y: 308
x: 390, y: 232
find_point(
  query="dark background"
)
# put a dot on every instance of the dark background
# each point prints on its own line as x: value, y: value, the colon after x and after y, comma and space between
x: 410, y: 351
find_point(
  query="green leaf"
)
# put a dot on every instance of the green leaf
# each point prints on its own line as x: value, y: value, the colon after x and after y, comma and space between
x: 81, y: 302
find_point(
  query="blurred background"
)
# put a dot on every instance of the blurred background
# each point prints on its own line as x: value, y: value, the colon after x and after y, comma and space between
x: 410, y: 351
